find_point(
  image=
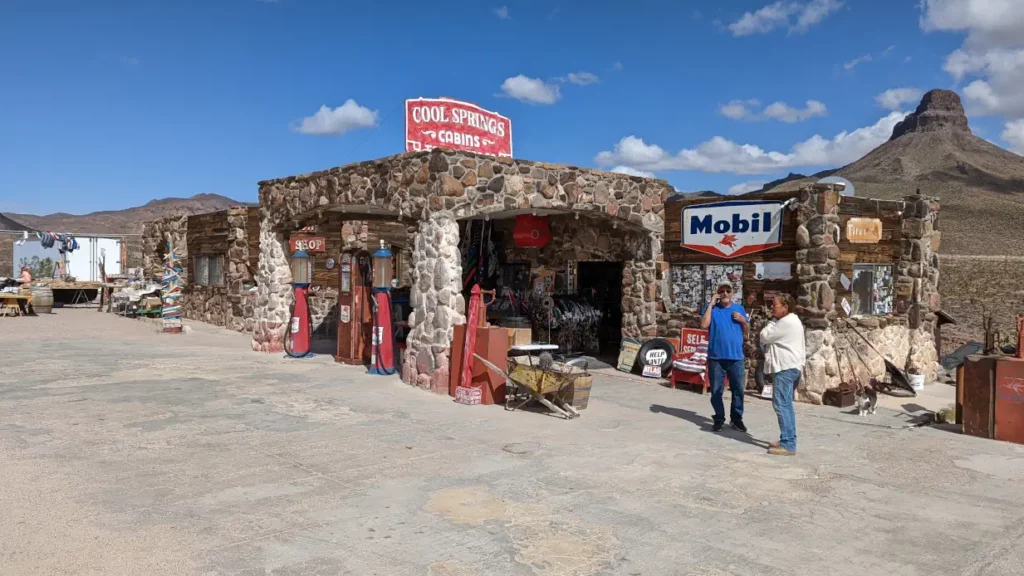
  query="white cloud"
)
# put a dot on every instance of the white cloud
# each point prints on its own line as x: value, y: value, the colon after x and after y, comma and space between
x: 738, y: 109
x: 987, y: 22
x: 783, y: 113
x: 583, y: 78
x: 1013, y: 134
x: 531, y: 90
x: 337, y: 121
x: 857, y: 62
x: 778, y: 15
x: 721, y: 155
x: 748, y: 186
x: 743, y: 110
x: 992, y: 55
x: 502, y: 13
x: 617, y: 67
x: 907, y: 59
x: 764, y: 20
x: 813, y: 13
x: 895, y: 98
x: 130, y: 60
x: 888, y: 50
x: 632, y: 171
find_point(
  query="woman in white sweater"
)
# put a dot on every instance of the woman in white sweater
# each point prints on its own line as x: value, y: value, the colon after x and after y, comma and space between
x: 783, y: 339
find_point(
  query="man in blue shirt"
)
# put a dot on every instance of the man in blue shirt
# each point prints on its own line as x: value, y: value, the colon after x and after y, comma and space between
x: 726, y: 323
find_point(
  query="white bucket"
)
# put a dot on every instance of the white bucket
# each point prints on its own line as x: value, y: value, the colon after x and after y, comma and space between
x: 916, y: 381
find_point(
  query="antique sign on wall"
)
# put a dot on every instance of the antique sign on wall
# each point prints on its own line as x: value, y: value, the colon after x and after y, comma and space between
x: 445, y: 123
x: 864, y: 230
x: 308, y: 243
x: 732, y: 229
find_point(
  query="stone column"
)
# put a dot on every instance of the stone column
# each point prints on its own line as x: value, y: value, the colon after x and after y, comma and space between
x: 274, y: 296
x: 917, y: 279
x: 237, y: 271
x: 437, y: 304
x: 641, y: 290
x: 817, y: 274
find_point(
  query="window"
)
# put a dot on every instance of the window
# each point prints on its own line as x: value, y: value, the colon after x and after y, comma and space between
x: 872, y: 290
x: 694, y: 284
x: 209, y: 270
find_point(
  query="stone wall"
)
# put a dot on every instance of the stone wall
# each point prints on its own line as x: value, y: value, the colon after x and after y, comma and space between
x: 975, y: 286
x: 437, y: 188
x: 6, y: 256
x: 155, y: 236
x: 835, y: 352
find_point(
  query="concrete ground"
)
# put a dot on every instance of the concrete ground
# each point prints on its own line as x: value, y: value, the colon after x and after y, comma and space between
x: 124, y: 451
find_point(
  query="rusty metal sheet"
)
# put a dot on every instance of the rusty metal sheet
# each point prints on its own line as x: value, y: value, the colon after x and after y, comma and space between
x: 978, y: 402
x: 1009, y: 400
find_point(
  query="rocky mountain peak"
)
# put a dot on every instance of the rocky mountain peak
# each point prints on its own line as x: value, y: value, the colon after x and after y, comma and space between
x: 939, y: 111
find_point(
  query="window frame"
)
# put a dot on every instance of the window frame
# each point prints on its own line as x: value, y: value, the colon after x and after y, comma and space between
x: 887, y: 302
x: 202, y: 270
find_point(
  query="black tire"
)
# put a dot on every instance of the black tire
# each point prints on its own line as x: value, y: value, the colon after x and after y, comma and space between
x: 652, y: 347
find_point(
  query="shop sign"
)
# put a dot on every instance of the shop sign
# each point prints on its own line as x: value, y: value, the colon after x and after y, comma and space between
x: 690, y: 340
x: 445, y: 123
x: 863, y: 230
x: 627, y: 354
x: 308, y: 243
x: 732, y: 229
x: 652, y: 371
x: 346, y: 313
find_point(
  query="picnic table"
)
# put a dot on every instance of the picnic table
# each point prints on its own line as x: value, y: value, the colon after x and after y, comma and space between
x: 14, y: 304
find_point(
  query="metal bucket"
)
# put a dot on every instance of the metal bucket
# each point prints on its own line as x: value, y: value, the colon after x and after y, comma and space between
x: 42, y: 299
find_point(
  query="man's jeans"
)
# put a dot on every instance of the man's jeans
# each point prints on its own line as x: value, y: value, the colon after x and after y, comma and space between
x: 782, y: 401
x: 717, y: 369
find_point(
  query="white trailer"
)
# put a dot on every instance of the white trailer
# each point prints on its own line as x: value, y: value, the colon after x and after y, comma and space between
x: 84, y: 263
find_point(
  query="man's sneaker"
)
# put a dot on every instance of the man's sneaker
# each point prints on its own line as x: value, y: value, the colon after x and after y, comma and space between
x: 780, y: 451
x: 717, y: 427
x: 774, y: 444
x: 738, y: 424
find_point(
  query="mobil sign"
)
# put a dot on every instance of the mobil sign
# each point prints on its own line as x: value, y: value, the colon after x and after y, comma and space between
x: 446, y: 123
x: 732, y: 229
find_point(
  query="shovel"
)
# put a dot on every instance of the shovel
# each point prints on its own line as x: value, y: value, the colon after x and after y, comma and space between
x: 898, y: 376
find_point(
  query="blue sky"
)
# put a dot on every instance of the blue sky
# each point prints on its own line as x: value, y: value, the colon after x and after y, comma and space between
x: 109, y: 104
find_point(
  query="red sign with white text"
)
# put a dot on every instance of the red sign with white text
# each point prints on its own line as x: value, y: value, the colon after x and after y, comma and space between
x: 446, y: 123
x: 308, y: 243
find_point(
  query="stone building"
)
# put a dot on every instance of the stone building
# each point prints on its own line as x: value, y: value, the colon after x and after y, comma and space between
x: 600, y: 216
x: 884, y: 286
x: 218, y: 252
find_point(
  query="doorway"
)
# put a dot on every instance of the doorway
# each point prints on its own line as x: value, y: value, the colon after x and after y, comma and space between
x: 601, y: 284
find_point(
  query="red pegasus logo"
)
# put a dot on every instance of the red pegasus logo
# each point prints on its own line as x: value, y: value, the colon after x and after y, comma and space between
x: 729, y: 240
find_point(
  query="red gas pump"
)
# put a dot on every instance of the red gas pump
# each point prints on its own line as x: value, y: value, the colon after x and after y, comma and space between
x: 382, y: 349
x: 296, y: 340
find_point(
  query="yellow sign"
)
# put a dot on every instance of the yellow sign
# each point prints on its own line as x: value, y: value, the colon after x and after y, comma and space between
x: 863, y: 230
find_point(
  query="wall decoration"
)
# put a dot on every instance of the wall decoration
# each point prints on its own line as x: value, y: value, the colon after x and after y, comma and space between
x: 845, y: 281
x: 846, y: 306
x: 773, y: 270
x: 330, y: 263
x: 863, y: 230
x: 693, y: 285
x: 732, y: 229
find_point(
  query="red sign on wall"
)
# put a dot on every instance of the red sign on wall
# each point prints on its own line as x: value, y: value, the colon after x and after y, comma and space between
x: 308, y: 243
x: 690, y: 340
x: 446, y: 123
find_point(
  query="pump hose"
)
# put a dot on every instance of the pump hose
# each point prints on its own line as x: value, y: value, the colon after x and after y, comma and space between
x: 394, y: 339
x: 288, y: 334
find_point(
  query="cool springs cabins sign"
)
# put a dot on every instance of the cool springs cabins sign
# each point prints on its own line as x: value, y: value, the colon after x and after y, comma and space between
x: 732, y: 229
x: 446, y: 123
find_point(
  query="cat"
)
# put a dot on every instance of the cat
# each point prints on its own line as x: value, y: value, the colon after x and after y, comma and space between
x: 866, y: 399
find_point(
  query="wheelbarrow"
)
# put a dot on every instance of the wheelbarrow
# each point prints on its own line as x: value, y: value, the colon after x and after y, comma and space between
x: 526, y: 383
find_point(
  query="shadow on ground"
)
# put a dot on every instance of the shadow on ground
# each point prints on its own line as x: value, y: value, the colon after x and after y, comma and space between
x: 705, y: 423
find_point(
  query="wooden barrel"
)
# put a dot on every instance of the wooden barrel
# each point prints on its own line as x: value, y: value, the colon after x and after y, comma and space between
x: 42, y: 299
x: 581, y: 392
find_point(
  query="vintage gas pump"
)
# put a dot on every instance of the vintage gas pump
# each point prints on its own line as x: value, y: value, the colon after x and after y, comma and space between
x: 382, y: 353
x: 296, y: 340
x: 354, y: 319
